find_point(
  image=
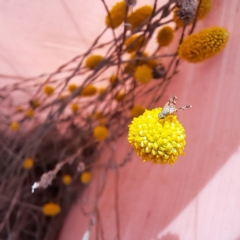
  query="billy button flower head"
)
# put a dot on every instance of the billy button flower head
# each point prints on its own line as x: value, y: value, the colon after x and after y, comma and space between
x: 14, y: 126
x: 28, y: 163
x: 88, y: 90
x: 85, y: 177
x: 67, y: 179
x: 134, y: 43
x: 119, y: 96
x: 72, y: 87
x: 204, y: 44
x: 165, y: 36
x: 136, y: 111
x: 157, y: 135
x: 48, y: 90
x: 51, y: 209
x: 117, y: 14
x: 139, y: 16
x: 100, y: 133
x: 113, y: 79
x: 29, y: 113
x: 143, y: 74
x: 75, y: 107
x: 92, y: 61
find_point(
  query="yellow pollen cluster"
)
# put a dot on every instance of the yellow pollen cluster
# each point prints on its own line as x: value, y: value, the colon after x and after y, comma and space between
x: 28, y: 163
x: 157, y: 140
x: 29, y: 113
x: 143, y: 74
x: 14, y: 126
x: 136, y: 111
x: 88, y: 90
x: 134, y: 43
x: 165, y: 36
x: 92, y: 61
x: 51, y: 209
x: 117, y: 14
x: 113, y: 79
x: 72, y: 87
x: 67, y: 179
x: 139, y: 16
x: 100, y: 133
x: 204, y: 44
x: 85, y: 177
x: 48, y: 90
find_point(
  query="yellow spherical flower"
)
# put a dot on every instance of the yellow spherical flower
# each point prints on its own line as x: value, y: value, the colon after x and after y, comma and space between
x: 49, y: 90
x: 14, y: 126
x: 67, y: 179
x: 35, y: 103
x: 85, y: 177
x: 204, y: 44
x: 117, y: 14
x: 29, y: 113
x: 134, y: 43
x: 119, y: 96
x: 28, y: 163
x: 136, y: 111
x: 157, y: 140
x: 143, y: 74
x: 19, y: 109
x: 100, y: 133
x: 51, y: 209
x: 165, y: 36
x: 204, y: 9
x: 139, y: 16
x: 72, y: 87
x: 113, y: 79
x: 102, y: 90
x: 75, y: 107
x: 92, y: 61
x: 88, y: 91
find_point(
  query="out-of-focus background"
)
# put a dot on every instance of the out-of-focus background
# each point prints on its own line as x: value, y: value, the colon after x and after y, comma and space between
x: 195, y: 199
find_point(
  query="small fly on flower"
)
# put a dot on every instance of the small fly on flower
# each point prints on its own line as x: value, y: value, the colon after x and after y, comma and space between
x: 170, y: 108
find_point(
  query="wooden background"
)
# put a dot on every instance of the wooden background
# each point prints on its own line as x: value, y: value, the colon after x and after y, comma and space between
x: 198, y: 198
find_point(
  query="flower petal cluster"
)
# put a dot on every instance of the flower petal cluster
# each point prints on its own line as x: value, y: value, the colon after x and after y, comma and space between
x: 134, y: 43
x: 157, y: 140
x: 85, y: 177
x: 93, y: 60
x: 48, y: 90
x: 51, y: 209
x: 28, y: 163
x: 136, y: 111
x: 117, y: 14
x: 100, y: 133
x: 204, y: 44
x: 88, y: 90
x: 165, y: 36
x: 139, y: 16
x: 143, y: 74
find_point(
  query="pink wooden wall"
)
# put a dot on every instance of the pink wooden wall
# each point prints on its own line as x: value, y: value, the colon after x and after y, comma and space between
x: 198, y: 198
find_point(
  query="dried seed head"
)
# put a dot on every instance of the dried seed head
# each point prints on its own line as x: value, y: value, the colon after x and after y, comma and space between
x: 131, y: 3
x: 186, y: 10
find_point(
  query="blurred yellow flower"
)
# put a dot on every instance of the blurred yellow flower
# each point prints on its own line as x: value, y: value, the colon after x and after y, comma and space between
x: 85, y: 177
x: 75, y: 107
x: 117, y: 14
x: 143, y: 74
x: 29, y: 113
x: 119, y: 96
x: 67, y: 179
x: 72, y: 87
x: 28, y: 163
x: 100, y: 133
x: 14, y: 126
x: 92, y: 61
x: 165, y: 36
x: 136, y: 111
x: 134, y: 43
x: 139, y: 16
x: 51, y: 209
x: 19, y: 109
x: 48, y: 90
x: 88, y: 90
x: 113, y: 79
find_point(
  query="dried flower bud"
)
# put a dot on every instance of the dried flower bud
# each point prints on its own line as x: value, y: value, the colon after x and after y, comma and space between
x: 186, y: 10
x: 131, y: 3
